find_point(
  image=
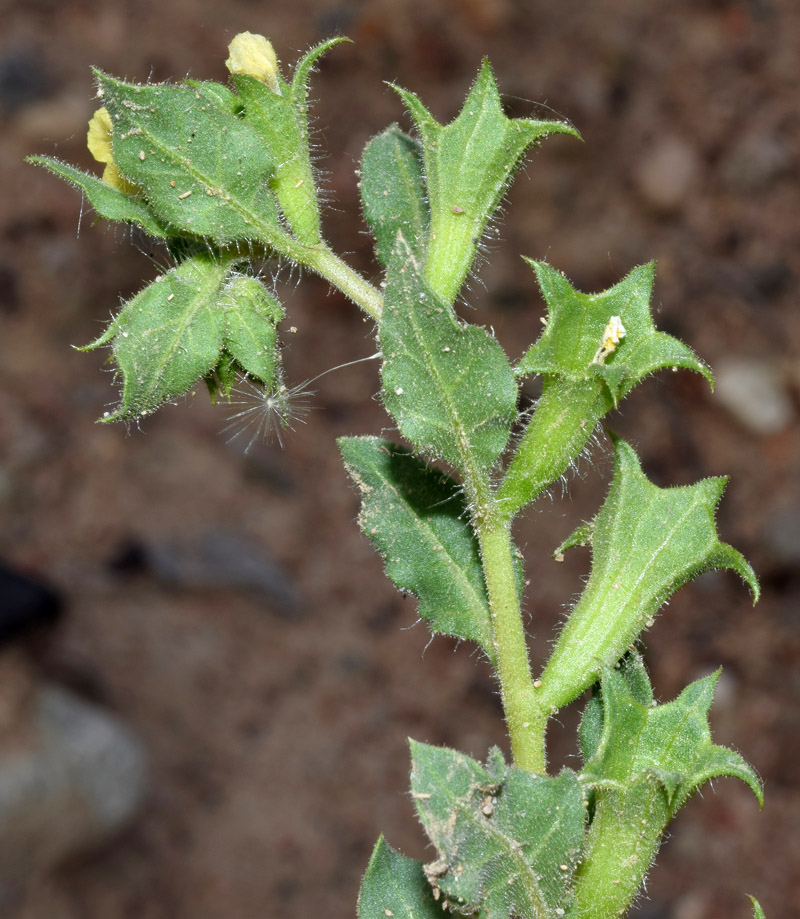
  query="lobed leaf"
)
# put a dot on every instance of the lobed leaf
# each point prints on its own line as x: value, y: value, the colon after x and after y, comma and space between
x: 393, y: 193
x: 395, y: 886
x: 468, y: 165
x: 416, y: 517
x: 581, y: 383
x: 647, y: 542
x: 507, y: 840
x: 204, y: 171
x: 109, y: 202
x: 647, y: 762
x: 449, y: 385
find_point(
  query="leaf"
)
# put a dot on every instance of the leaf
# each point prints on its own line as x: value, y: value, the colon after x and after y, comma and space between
x: 416, y: 517
x: 507, y: 840
x: 647, y: 542
x: 250, y: 335
x: 167, y: 336
x: 109, y: 202
x: 649, y: 760
x: 468, y: 166
x: 204, y: 170
x: 578, y: 389
x: 393, y: 193
x: 395, y: 887
x: 758, y: 912
x: 281, y: 120
x: 192, y: 320
x: 449, y: 385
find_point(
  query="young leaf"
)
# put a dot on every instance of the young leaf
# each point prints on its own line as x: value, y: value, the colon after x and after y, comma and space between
x: 507, y: 840
x: 648, y: 762
x: 396, y: 886
x: 468, y: 166
x: 281, y: 119
x: 109, y: 202
x: 167, y: 336
x: 448, y: 384
x: 393, y: 193
x: 204, y: 171
x: 415, y: 516
x: 250, y: 334
x: 647, y: 542
x: 583, y: 380
x: 758, y: 912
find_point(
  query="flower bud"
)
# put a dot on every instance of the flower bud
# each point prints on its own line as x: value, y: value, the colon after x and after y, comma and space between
x: 254, y: 56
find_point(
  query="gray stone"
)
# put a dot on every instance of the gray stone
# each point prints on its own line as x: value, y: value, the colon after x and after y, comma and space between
x: 79, y: 778
x: 666, y: 174
x: 755, y: 393
x: 222, y: 560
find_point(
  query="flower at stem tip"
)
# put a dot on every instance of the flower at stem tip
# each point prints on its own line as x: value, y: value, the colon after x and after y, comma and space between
x: 254, y: 56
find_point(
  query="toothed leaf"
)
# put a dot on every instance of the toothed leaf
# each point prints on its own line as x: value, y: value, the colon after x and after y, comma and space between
x: 507, y: 840
x: 167, y: 337
x: 109, y: 202
x: 649, y: 760
x: 393, y: 193
x: 647, y: 542
x: 204, y: 171
x: 582, y: 381
x: 468, y: 165
x: 449, y: 385
x: 396, y: 887
x: 416, y: 518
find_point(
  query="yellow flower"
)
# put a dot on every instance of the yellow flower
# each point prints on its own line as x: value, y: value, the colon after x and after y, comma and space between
x: 98, y: 140
x: 254, y: 56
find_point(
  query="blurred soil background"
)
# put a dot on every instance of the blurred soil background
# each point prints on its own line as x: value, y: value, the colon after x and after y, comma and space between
x: 225, y: 607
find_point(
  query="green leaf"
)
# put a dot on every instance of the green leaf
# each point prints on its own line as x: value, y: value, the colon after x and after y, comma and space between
x: 758, y: 912
x: 416, y: 517
x: 250, y: 335
x: 396, y: 887
x: 204, y: 170
x: 649, y: 760
x: 306, y: 65
x: 468, y: 167
x: 393, y: 192
x: 582, y: 382
x: 507, y: 840
x: 167, y: 336
x: 647, y: 542
x: 448, y: 384
x: 217, y: 94
x: 109, y: 202
x: 281, y: 120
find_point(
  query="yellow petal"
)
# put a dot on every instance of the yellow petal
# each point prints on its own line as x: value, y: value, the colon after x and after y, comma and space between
x: 98, y: 138
x: 254, y: 56
x: 113, y: 177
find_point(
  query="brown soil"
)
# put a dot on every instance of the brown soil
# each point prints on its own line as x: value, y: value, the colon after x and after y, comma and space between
x: 278, y: 736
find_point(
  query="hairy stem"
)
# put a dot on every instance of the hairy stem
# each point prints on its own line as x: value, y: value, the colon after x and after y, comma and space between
x: 523, y: 715
x: 329, y: 266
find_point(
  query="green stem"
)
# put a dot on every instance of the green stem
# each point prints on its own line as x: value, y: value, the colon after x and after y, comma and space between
x: 329, y: 266
x: 524, y: 719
